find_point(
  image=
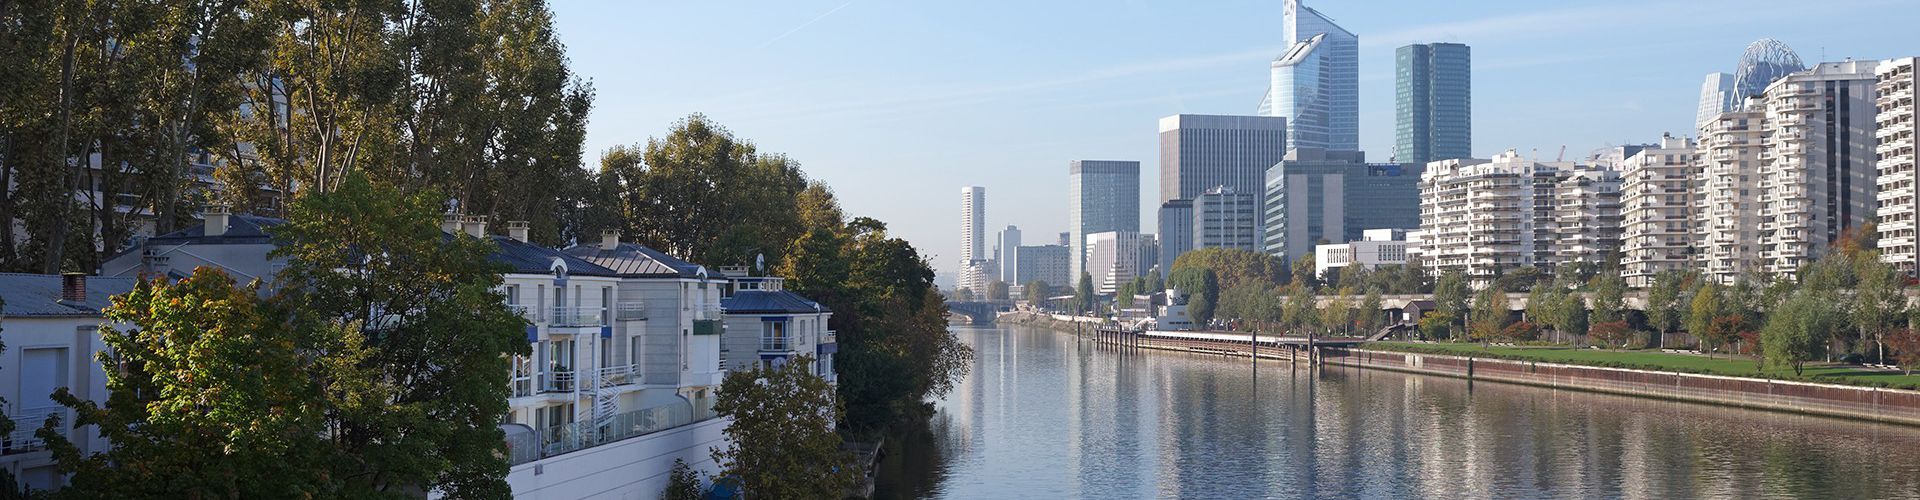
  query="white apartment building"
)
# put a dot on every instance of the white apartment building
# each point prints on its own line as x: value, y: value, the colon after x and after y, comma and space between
x: 776, y: 326
x: 1894, y: 147
x: 1817, y: 178
x: 1659, y: 210
x: 1727, y: 229
x: 1377, y: 247
x: 1586, y: 214
x: 1113, y: 258
x: 1479, y: 216
x: 53, y: 337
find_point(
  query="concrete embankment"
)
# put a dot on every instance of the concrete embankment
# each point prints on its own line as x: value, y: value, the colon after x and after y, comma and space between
x: 1865, y: 403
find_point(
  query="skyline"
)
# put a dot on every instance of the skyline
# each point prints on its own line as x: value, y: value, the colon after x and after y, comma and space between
x: 1003, y: 105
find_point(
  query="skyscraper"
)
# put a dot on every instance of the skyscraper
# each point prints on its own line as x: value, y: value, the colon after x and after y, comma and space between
x: 1176, y: 232
x: 1102, y: 195
x: 1818, y: 178
x: 1112, y: 258
x: 1009, y: 246
x: 1201, y: 152
x: 1716, y: 95
x: 1434, y: 102
x: 1315, y: 84
x: 1316, y: 195
x: 973, y: 220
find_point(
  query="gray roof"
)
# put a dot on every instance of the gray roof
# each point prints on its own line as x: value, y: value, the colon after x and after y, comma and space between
x: 765, y: 301
x: 241, y: 228
x: 38, y: 295
x: 635, y: 261
x: 523, y: 257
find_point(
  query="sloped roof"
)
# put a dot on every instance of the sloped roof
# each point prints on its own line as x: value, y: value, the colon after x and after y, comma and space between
x: 523, y: 257
x: 635, y: 261
x: 241, y: 228
x: 765, y: 301
x: 38, y: 295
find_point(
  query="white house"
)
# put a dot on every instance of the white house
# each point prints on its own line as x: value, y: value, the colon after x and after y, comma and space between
x: 51, y: 327
x: 776, y: 325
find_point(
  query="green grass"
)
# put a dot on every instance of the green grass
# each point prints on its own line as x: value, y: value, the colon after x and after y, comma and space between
x: 1739, y: 366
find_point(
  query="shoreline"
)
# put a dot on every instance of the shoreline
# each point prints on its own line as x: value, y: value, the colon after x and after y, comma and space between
x: 1877, y: 404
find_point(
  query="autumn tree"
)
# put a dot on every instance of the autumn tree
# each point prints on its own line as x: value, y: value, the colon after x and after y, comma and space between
x: 1664, y: 308
x: 1906, y: 348
x: 1232, y: 267
x: 783, y: 442
x: 1609, y: 298
x: 1450, y: 295
x: 1489, y: 315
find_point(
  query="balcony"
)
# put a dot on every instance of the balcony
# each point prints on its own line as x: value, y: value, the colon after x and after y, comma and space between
x: 523, y: 376
x: 557, y: 381
x: 28, y: 422
x: 776, y: 344
x: 630, y: 310
x: 559, y: 440
x: 831, y: 337
x: 574, y: 317
x: 618, y: 375
x: 708, y: 327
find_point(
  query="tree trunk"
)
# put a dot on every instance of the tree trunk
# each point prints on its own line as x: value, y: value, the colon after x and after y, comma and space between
x: 57, y: 237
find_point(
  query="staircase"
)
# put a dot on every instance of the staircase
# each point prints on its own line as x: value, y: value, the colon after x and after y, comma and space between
x: 1385, y: 331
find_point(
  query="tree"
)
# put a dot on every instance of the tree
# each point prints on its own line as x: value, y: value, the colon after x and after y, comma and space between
x: 1706, y: 308
x: 1725, y: 330
x: 1571, y: 317
x: 1490, y: 314
x: 1370, y: 317
x: 218, y: 395
x: 369, y: 266
x: 706, y: 195
x: 1450, y: 295
x: 1202, y: 289
x: 1304, y: 271
x: 997, y: 290
x: 1035, y: 292
x: 1796, y: 330
x: 1124, y: 296
x: 783, y: 439
x: 1252, y: 303
x: 1232, y: 267
x: 682, y: 483
x: 1609, y: 298
x: 1154, y: 283
x: 1300, y: 312
x: 1520, y: 330
x: 1339, y: 312
x: 963, y: 294
x: 1906, y: 348
x: 1879, y: 301
x: 1664, y: 309
x: 1540, y: 305
x: 1083, y: 293
x: 1436, y: 325
x: 1612, y: 334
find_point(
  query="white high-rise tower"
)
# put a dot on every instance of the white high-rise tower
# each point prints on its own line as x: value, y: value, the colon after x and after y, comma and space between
x: 973, y: 220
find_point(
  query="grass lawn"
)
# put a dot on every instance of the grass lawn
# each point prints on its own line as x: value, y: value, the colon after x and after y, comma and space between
x: 1739, y: 366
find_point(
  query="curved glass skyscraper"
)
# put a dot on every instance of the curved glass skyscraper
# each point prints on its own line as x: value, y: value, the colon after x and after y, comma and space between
x: 1316, y: 83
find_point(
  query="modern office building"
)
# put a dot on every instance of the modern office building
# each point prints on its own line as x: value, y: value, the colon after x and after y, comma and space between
x: 1378, y: 247
x: 1113, y: 258
x: 1433, y: 103
x: 1894, y: 139
x: 1818, y: 177
x: 1149, y: 257
x: 1727, y: 235
x: 1715, y: 97
x: 1660, y: 208
x: 1201, y: 152
x: 1045, y: 263
x: 1176, y: 232
x: 1224, y: 217
x: 1007, y: 254
x: 1315, y: 84
x: 1102, y: 195
x: 1315, y: 195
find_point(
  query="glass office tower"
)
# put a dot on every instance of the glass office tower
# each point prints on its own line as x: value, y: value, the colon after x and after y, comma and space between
x: 1316, y: 83
x: 1434, y: 102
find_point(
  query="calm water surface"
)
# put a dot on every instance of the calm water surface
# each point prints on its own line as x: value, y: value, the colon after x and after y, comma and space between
x: 1044, y: 416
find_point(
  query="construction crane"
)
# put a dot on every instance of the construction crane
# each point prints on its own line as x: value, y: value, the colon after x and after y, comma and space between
x: 1563, y: 154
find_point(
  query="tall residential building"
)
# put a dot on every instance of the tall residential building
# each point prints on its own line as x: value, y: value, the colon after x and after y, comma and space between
x: 1894, y: 136
x: 1201, y: 152
x: 1102, y: 195
x: 1009, y: 255
x: 1315, y: 84
x: 1224, y: 217
x: 1315, y: 195
x: 973, y: 225
x: 1659, y: 209
x: 1715, y: 97
x: 1113, y: 258
x: 1818, y: 179
x: 1433, y: 102
x: 1487, y: 217
x: 1727, y: 235
x: 1176, y: 232
x: 1586, y: 215
x: 1045, y: 263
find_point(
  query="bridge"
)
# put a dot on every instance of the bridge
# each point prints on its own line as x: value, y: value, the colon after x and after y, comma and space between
x: 977, y: 313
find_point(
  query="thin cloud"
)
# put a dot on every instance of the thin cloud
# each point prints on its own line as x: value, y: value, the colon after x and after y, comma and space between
x: 804, y: 25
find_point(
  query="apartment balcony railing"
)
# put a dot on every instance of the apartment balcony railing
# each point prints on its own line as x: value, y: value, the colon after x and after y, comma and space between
x: 557, y: 381
x: 630, y: 310
x: 522, y: 311
x: 568, y: 438
x: 28, y: 422
x: 523, y: 377
x: 831, y: 337
x: 570, y: 317
x: 618, y: 375
x: 776, y: 344
x: 708, y: 327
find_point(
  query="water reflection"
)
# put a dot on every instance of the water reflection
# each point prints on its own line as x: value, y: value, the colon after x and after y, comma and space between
x: 1044, y: 416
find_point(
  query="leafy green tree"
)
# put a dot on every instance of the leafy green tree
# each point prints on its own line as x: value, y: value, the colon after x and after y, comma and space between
x: 1796, y: 330
x: 1353, y: 276
x: 1035, y: 292
x: 1304, y: 273
x: 1154, y: 283
x: 1704, y: 309
x: 707, y: 195
x: 1570, y: 314
x: 963, y: 294
x: 1301, y: 314
x: 1489, y: 314
x: 1202, y: 289
x: 1252, y: 303
x: 1540, y: 305
x: 1450, y: 295
x: 1436, y: 325
x: 218, y: 395
x: 1232, y: 267
x: 1369, y: 316
x: 783, y: 440
x: 997, y: 290
x: 1879, y: 301
x: 1664, y: 303
x: 1083, y: 295
x: 1338, y: 314
x: 1124, y: 296
x: 1609, y: 298
x: 369, y: 267
x: 682, y: 483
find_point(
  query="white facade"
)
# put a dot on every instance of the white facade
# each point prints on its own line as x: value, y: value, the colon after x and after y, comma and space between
x: 1586, y: 214
x: 1478, y: 216
x: 1818, y: 176
x: 51, y: 343
x: 1894, y: 139
x: 769, y: 326
x: 1007, y: 254
x: 1660, y: 210
x: 973, y: 223
x: 1113, y: 258
x: 1381, y: 247
x: 1727, y: 233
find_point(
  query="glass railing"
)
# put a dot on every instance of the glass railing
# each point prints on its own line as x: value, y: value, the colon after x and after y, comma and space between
x: 776, y: 343
x: 574, y: 317
x: 568, y: 438
x: 557, y: 381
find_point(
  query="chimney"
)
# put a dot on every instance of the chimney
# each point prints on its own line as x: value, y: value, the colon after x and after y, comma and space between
x: 73, y: 288
x: 216, y: 216
x: 518, y: 230
x: 475, y: 225
x: 609, y: 239
x: 450, y: 224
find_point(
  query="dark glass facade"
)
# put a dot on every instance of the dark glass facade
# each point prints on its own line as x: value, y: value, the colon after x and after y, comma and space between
x: 1433, y: 102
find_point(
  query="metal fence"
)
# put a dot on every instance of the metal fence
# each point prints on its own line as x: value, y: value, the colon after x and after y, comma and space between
x: 568, y: 438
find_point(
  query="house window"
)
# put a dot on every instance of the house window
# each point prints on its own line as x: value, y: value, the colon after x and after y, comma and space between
x: 42, y: 371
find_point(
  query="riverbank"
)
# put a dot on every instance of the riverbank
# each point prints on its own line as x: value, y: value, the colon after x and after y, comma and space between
x: 1847, y: 401
x: 1737, y: 366
x: 1058, y: 322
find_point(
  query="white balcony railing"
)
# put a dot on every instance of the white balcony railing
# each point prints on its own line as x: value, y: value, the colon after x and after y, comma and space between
x: 523, y: 376
x: 557, y: 381
x: 776, y: 344
x: 28, y: 422
x: 574, y: 317
x: 831, y: 337
x: 618, y: 375
x: 630, y: 310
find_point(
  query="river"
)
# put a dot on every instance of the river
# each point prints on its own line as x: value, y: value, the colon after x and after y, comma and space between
x: 1042, y: 415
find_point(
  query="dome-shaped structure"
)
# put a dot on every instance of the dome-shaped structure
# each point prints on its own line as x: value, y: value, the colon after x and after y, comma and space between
x: 1765, y: 61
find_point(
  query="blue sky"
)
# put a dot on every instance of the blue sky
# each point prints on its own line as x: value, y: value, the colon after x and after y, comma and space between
x: 899, y: 104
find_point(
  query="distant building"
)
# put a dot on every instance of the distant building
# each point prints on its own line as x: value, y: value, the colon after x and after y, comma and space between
x: 1818, y: 181
x: 1102, y: 195
x: 1315, y: 195
x: 1586, y: 215
x: 1378, y: 247
x: 1482, y: 217
x: 1201, y: 152
x: 1113, y: 258
x: 1895, y: 145
x: 1226, y: 218
x: 1434, y: 102
x: 1008, y: 255
x: 1716, y: 96
x: 1315, y: 84
x: 1727, y: 238
x: 1660, y: 210
x: 1066, y: 239
x: 1176, y: 232
x: 974, y: 263
x: 1045, y: 263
